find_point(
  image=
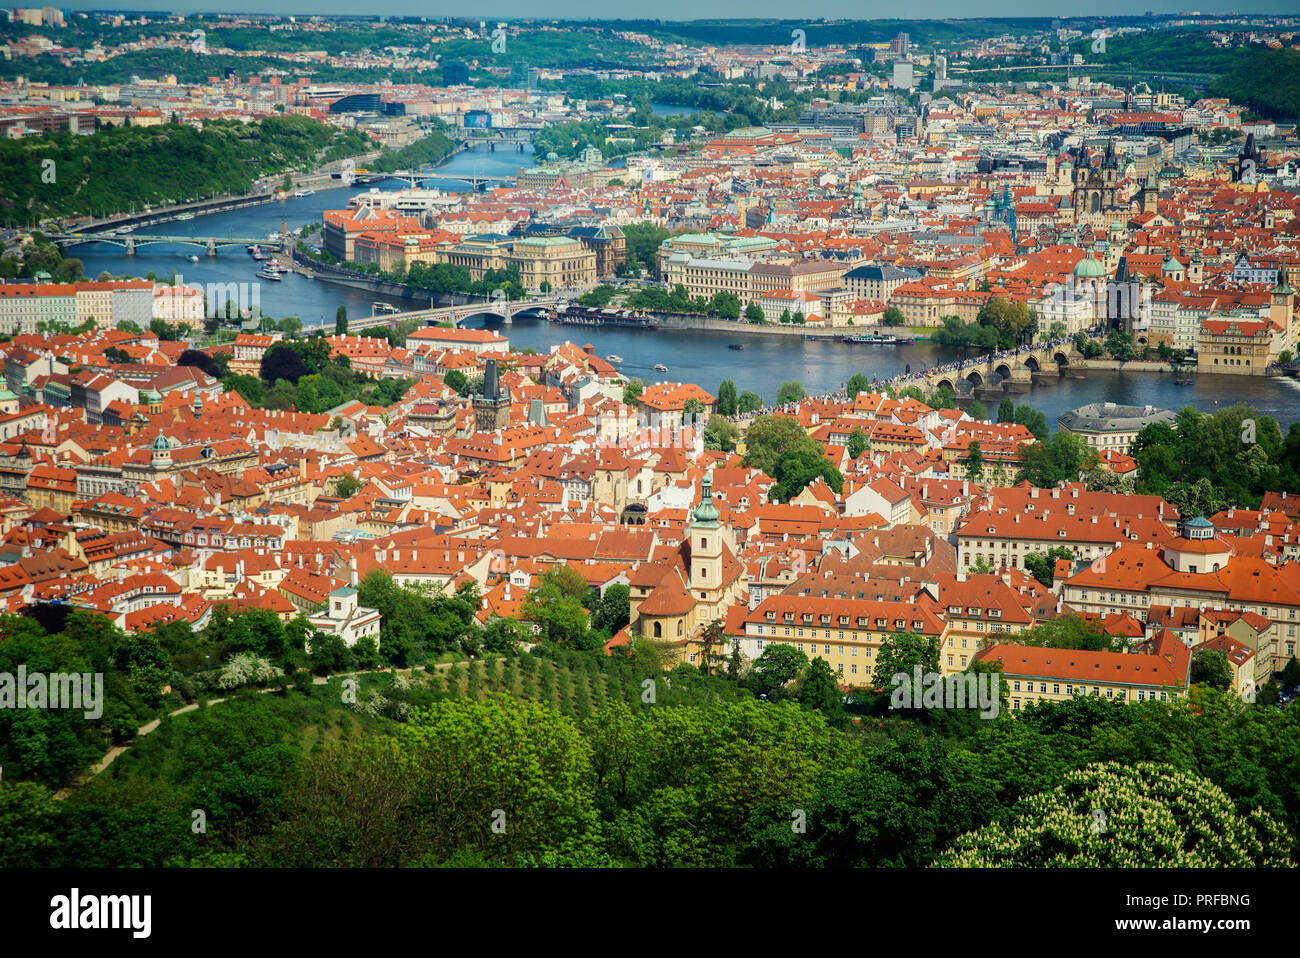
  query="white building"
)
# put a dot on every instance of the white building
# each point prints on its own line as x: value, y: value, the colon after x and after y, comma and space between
x: 178, y: 304
x: 344, y: 618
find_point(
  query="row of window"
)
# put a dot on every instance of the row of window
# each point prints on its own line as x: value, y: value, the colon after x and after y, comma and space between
x: 1142, y: 694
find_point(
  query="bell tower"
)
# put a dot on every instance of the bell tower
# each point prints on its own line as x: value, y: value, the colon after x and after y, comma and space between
x: 706, y: 543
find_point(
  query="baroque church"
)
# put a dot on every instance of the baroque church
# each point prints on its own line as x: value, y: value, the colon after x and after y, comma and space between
x: 683, y: 588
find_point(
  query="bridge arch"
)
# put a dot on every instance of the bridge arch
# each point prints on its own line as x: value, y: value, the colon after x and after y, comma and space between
x: 974, y: 378
x: 1031, y: 363
x: 946, y: 381
x: 1061, y: 359
x: 1002, y: 372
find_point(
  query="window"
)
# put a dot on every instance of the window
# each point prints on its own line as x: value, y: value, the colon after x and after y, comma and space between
x: 1016, y: 685
x: 1056, y: 689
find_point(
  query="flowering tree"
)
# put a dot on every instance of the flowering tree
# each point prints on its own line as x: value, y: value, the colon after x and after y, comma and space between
x: 1111, y: 816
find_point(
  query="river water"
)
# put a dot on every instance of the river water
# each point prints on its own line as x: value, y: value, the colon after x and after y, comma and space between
x: 698, y: 356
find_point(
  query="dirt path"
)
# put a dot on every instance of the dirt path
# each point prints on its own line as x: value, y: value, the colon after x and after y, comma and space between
x: 111, y: 755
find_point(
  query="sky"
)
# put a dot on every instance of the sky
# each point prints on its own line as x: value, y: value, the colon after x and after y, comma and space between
x: 696, y: 9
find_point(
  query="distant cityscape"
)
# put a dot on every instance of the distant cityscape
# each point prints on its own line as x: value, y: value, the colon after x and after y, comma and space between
x: 668, y: 401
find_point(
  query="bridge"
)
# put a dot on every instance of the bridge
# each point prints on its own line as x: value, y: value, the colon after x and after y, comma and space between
x: 414, y: 178
x: 129, y: 241
x: 501, y: 309
x: 998, y: 373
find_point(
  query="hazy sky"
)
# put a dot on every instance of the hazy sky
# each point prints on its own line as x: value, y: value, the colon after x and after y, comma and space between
x: 692, y: 9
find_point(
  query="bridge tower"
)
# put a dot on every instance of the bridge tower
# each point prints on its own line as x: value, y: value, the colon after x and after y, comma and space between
x: 130, y: 246
x: 212, y: 247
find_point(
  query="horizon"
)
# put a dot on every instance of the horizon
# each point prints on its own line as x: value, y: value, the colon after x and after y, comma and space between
x: 683, y: 11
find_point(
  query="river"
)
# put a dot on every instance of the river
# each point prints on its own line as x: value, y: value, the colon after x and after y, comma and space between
x: 697, y: 356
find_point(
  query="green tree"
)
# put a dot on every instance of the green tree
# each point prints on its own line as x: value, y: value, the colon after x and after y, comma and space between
x: 778, y: 665
x: 720, y: 435
x: 858, y: 383
x: 341, y: 320
x: 754, y: 313
x: 857, y: 443
x: 1211, y: 667
x: 727, y: 398
x: 893, y: 316
x: 902, y: 652
x: 632, y: 392
x: 974, y: 461
x: 820, y: 689
x: 1040, y: 565
x: 790, y: 392
x: 977, y: 411
x: 749, y: 402
x: 613, y: 611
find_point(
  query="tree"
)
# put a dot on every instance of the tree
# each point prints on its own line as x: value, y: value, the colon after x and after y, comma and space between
x: 727, y: 398
x: 977, y: 411
x: 893, y: 316
x: 1006, y: 410
x: 282, y: 362
x: 1291, y: 674
x: 800, y: 466
x: 858, y: 383
x: 820, y: 689
x: 790, y: 392
x: 632, y: 391
x: 200, y: 360
x: 720, y: 435
x: 857, y: 443
x: 291, y: 326
x: 770, y: 437
x: 116, y: 355
x: 1211, y: 667
x: 749, y: 402
x: 1153, y: 815
x: 1040, y: 566
x: 902, y: 652
x: 974, y: 461
x: 778, y: 665
x: 346, y: 486
x: 754, y: 313
x: 1120, y: 346
x: 614, y: 609
x: 341, y: 320
x: 711, y: 639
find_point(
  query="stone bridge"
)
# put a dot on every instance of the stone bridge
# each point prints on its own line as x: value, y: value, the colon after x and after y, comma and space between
x: 501, y: 309
x: 999, y: 373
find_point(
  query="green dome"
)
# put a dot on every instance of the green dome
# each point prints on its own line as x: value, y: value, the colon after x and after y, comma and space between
x: 706, y: 513
x: 1089, y: 268
x: 1170, y: 265
x: 160, y: 444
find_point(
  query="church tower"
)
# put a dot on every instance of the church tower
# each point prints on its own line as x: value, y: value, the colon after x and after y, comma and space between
x: 706, y: 544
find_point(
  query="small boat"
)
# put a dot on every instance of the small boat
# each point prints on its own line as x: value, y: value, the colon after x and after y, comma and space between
x: 258, y: 255
x: 304, y: 192
x: 614, y: 358
x: 268, y: 274
x: 194, y: 259
x: 185, y: 216
x: 273, y: 267
x: 1182, y: 382
x: 660, y: 368
x: 736, y: 346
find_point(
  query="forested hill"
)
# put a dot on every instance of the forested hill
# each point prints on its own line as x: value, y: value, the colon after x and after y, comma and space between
x: 117, y: 168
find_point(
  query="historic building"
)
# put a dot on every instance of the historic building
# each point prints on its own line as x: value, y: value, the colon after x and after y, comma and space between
x: 682, y: 589
x: 1094, y: 184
